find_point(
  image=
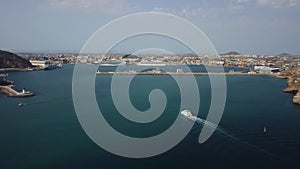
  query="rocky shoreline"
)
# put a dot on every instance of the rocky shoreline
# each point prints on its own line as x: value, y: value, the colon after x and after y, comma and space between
x: 9, y: 91
x: 7, y: 87
x: 293, y: 80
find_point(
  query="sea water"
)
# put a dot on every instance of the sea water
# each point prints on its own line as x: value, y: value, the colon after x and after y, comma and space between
x: 45, y: 132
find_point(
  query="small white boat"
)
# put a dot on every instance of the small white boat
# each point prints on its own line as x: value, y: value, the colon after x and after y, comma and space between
x: 265, y: 130
x: 20, y: 104
x: 188, y: 114
x: 59, y: 65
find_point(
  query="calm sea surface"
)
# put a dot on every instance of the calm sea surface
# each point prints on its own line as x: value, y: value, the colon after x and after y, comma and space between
x: 45, y: 132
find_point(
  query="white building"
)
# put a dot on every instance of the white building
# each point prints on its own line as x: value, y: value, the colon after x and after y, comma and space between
x: 40, y: 63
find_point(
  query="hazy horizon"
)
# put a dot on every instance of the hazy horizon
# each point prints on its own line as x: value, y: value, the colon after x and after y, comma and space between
x: 124, y: 53
x: 265, y: 27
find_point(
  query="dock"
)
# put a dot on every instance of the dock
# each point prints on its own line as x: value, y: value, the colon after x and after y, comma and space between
x: 9, y: 91
x: 185, y: 73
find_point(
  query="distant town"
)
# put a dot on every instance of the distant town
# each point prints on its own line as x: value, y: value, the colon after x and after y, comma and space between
x: 284, y: 65
x: 256, y: 63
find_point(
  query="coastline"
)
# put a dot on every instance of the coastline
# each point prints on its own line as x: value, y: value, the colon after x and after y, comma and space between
x: 293, y: 83
x: 5, y: 70
x: 292, y: 76
x: 9, y: 91
x: 184, y: 73
x: 294, y: 89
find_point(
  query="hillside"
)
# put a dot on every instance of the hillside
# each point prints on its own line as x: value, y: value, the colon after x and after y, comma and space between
x: 11, y: 60
x: 293, y: 76
x: 284, y: 55
x: 231, y: 53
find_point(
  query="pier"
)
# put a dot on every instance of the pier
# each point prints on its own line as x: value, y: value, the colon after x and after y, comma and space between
x: 9, y: 91
x: 185, y: 73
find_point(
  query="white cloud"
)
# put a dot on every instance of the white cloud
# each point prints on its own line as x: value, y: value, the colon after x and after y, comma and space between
x: 271, y: 3
x: 277, y: 3
x: 164, y: 10
x: 242, y: 1
x: 188, y: 12
x: 101, y: 6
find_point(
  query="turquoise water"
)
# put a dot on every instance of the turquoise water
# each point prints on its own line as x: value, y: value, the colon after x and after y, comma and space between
x: 45, y: 132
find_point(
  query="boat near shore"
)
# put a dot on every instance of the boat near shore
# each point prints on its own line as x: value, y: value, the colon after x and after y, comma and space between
x: 60, y: 65
x: 265, y: 69
x: 151, y: 63
x: 111, y: 62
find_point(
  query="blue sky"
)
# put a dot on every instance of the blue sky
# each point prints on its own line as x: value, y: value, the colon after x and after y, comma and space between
x: 247, y: 26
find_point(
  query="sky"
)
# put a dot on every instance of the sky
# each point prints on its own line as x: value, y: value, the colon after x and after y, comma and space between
x: 247, y: 26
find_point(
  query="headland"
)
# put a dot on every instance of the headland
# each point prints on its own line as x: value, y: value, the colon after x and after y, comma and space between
x: 7, y: 87
x: 9, y: 91
x: 293, y: 78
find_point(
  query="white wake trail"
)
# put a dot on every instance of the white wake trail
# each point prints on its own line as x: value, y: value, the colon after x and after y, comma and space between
x: 222, y: 131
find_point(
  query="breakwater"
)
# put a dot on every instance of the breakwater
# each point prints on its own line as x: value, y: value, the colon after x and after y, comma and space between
x: 9, y: 91
x: 183, y: 73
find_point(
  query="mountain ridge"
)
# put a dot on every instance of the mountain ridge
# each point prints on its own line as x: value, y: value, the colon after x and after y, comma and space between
x: 232, y: 53
x: 11, y: 60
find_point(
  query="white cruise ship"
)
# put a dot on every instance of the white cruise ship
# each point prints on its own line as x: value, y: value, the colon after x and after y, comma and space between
x: 265, y: 69
x: 151, y: 63
x: 112, y: 62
